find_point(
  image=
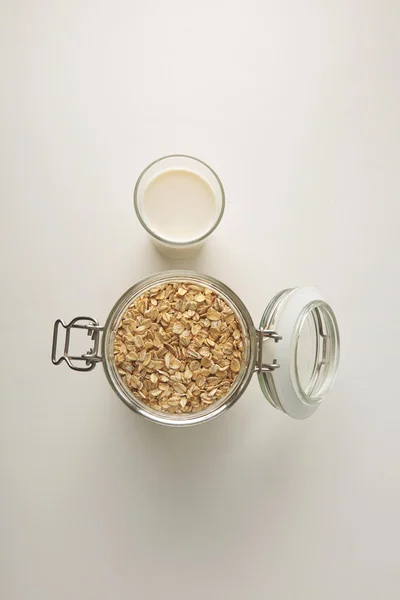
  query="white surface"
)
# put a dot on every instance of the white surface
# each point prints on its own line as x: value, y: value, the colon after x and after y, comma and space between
x: 296, y: 106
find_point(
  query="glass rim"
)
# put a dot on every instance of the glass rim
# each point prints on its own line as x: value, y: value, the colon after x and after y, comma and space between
x: 164, y: 239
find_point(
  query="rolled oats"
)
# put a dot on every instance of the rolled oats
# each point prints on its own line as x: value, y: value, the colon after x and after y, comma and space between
x: 179, y: 347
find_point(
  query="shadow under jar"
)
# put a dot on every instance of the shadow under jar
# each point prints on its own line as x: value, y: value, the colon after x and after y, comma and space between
x: 295, y: 351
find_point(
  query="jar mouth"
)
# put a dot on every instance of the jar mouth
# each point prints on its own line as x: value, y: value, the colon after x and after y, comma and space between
x: 239, y: 385
x: 192, y: 161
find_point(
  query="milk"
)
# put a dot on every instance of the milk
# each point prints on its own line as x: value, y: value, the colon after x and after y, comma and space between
x: 179, y: 205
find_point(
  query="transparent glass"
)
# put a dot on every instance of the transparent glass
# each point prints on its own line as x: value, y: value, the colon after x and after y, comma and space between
x: 167, y: 244
x: 316, y: 352
x: 244, y: 375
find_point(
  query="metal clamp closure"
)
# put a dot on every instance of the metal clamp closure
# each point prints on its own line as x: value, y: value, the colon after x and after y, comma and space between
x: 91, y: 357
x: 264, y: 334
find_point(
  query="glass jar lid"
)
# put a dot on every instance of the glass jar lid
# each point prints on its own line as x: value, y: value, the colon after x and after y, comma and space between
x: 299, y: 351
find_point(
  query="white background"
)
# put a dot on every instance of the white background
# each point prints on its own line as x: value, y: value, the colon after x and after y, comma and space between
x: 296, y: 106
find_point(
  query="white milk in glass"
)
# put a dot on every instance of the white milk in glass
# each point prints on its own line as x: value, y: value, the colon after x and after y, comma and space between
x: 179, y: 205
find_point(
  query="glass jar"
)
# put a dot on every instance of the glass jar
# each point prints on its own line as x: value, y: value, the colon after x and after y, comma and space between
x: 295, y: 351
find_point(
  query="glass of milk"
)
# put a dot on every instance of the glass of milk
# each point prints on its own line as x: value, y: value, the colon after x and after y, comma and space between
x: 179, y: 200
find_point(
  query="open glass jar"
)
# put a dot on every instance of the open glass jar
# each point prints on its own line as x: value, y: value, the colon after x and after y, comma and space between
x: 295, y: 351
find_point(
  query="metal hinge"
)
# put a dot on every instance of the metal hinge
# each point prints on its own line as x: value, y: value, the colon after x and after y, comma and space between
x: 91, y: 357
x: 264, y: 334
